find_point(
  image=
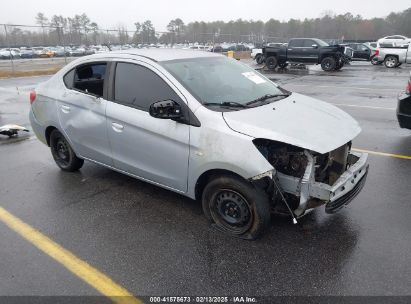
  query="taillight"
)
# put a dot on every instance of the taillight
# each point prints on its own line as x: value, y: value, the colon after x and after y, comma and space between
x: 377, y: 52
x: 33, y: 96
x: 408, y: 88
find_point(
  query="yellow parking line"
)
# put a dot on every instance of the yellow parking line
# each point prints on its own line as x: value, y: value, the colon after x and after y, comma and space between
x: 84, y: 271
x: 383, y: 154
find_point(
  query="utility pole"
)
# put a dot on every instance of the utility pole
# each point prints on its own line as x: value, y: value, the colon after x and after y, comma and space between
x: 11, y: 55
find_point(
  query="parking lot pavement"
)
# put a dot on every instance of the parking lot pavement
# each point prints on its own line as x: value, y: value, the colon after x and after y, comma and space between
x: 155, y: 242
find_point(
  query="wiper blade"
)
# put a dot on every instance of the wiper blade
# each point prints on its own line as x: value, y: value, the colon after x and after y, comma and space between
x: 226, y: 104
x: 265, y: 97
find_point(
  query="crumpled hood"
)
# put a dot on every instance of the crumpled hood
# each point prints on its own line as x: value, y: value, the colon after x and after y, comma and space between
x: 297, y: 120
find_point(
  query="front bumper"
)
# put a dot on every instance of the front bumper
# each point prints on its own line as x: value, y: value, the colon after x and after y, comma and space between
x: 335, y: 196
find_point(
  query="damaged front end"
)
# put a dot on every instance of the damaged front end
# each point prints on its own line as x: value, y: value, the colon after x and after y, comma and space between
x: 303, y: 180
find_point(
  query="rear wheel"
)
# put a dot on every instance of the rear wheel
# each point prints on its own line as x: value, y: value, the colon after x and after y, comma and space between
x: 271, y: 62
x: 328, y: 64
x: 63, y: 154
x: 259, y: 58
x: 236, y: 207
x: 391, y: 62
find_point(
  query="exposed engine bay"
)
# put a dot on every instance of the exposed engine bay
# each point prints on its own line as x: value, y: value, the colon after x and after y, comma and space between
x: 306, y: 178
x: 291, y: 160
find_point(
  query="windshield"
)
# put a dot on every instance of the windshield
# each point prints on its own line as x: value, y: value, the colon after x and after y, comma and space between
x: 216, y: 80
x: 321, y: 42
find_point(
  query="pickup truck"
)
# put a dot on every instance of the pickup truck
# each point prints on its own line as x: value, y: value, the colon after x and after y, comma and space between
x: 394, y: 56
x: 308, y: 51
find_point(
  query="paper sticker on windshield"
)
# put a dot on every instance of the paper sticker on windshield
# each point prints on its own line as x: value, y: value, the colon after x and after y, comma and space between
x: 253, y: 77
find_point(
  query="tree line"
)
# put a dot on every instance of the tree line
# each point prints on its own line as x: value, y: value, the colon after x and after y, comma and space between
x: 80, y: 29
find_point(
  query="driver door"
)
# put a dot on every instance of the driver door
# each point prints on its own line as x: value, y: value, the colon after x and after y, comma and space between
x: 153, y: 149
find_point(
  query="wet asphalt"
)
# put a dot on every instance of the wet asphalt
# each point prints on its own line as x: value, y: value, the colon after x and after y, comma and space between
x: 155, y: 242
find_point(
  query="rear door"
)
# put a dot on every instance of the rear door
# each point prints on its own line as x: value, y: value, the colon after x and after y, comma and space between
x: 154, y: 149
x: 81, y: 111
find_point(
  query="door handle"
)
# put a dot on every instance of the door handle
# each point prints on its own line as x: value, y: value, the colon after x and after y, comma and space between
x: 289, y: 49
x: 117, y: 127
x: 65, y: 109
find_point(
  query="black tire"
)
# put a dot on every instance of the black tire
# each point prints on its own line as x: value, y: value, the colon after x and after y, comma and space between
x: 271, y: 62
x: 283, y: 65
x: 339, y: 66
x: 259, y: 58
x: 374, y: 60
x: 390, y: 62
x: 63, y: 154
x: 236, y: 207
x: 328, y: 64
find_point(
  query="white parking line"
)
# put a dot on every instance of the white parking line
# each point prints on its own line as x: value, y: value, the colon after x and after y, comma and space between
x: 342, y: 87
x: 367, y: 107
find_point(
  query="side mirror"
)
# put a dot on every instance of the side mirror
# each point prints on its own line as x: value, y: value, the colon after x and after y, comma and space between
x: 314, y: 46
x: 166, y: 109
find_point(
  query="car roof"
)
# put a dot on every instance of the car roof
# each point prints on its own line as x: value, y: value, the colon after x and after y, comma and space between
x: 158, y: 54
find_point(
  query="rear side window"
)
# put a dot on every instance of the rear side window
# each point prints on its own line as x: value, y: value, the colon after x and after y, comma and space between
x: 296, y: 43
x: 87, y: 78
x: 137, y: 86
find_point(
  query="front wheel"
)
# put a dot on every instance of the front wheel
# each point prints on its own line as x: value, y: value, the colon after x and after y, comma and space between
x: 63, y: 154
x: 236, y: 207
x: 374, y: 60
x: 271, y: 62
x: 391, y: 62
x: 339, y: 66
x: 328, y: 64
x: 283, y: 65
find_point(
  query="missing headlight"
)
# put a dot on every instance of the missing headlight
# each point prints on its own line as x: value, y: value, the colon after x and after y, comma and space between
x: 285, y: 158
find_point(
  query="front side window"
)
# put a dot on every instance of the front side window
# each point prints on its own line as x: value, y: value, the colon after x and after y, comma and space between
x: 139, y: 87
x: 87, y: 78
x: 309, y: 43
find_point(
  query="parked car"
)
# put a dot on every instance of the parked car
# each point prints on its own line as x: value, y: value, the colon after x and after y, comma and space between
x: 308, y: 51
x: 203, y: 125
x: 362, y: 52
x: 393, y: 41
x: 58, y: 51
x: 218, y: 49
x: 393, y: 57
x: 37, y: 51
x: 9, y: 53
x: 404, y: 107
x: 257, y: 55
x: 26, y: 53
x: 238, y: 48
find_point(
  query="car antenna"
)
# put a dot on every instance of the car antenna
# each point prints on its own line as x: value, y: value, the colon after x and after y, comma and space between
x: 285, y: 201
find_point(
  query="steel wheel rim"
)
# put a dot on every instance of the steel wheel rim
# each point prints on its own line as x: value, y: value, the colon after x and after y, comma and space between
x: 62, y: 151
x: 232, y: 211
x: 391, y: 62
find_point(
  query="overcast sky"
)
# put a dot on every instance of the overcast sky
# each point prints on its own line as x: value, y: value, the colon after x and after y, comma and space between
x: 109, y: 14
